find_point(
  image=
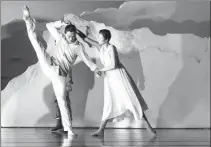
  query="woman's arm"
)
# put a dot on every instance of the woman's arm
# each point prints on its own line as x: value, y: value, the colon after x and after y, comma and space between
x: 88, y: 40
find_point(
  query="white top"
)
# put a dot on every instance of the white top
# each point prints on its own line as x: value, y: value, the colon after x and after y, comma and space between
x: 66, y: 53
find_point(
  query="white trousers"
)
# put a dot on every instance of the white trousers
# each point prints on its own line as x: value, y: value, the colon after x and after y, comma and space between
x: 51, y: 72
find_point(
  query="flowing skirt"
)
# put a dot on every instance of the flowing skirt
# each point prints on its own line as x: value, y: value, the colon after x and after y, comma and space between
x: 121, y: 97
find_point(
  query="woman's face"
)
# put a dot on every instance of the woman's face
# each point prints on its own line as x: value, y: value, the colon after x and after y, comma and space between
x: 101, y: 39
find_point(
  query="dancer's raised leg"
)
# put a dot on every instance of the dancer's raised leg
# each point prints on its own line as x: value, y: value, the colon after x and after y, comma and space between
x: 45, y: 64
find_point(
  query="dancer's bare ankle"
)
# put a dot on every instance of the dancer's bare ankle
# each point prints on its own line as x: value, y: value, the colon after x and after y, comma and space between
x: 98, y: 133
x: 29, y: 20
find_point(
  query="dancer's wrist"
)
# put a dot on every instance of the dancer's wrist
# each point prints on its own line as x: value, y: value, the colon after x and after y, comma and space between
x: 81, y: 34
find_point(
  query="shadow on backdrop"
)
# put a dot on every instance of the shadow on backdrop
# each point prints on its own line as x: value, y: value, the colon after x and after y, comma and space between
x: 17, y: 56
x: 185, y: 92
x: 83, y: 79
x: 17, y: 53
x: 132, y: 63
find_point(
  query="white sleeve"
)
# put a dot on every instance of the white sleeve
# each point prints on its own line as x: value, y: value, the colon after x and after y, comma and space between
x: 53, y: 29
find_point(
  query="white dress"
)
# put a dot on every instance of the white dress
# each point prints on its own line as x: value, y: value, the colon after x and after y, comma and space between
x: 121, y: 95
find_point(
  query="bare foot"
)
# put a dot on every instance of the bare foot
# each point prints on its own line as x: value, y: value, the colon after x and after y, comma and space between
x: 57, y: 128
x: 153, y: 131
x: 30, y: 22
x: 71, y: 134
x: 149, y: 128
x: 26, y: 13
x: 98, y: 133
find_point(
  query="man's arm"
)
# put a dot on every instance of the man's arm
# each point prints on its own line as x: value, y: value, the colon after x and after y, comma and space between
x: 53, y: 29
x: 83, y: 55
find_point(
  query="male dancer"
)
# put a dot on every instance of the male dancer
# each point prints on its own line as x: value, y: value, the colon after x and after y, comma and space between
x: 58, y: 68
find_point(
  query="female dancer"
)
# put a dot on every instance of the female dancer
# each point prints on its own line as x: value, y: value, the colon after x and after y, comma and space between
x: 121, y: 96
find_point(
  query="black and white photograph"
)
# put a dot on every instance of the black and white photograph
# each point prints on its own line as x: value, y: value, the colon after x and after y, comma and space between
x: 105, y: 73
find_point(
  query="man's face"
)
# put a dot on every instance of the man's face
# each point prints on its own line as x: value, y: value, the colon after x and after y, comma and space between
x: 70, y: 36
